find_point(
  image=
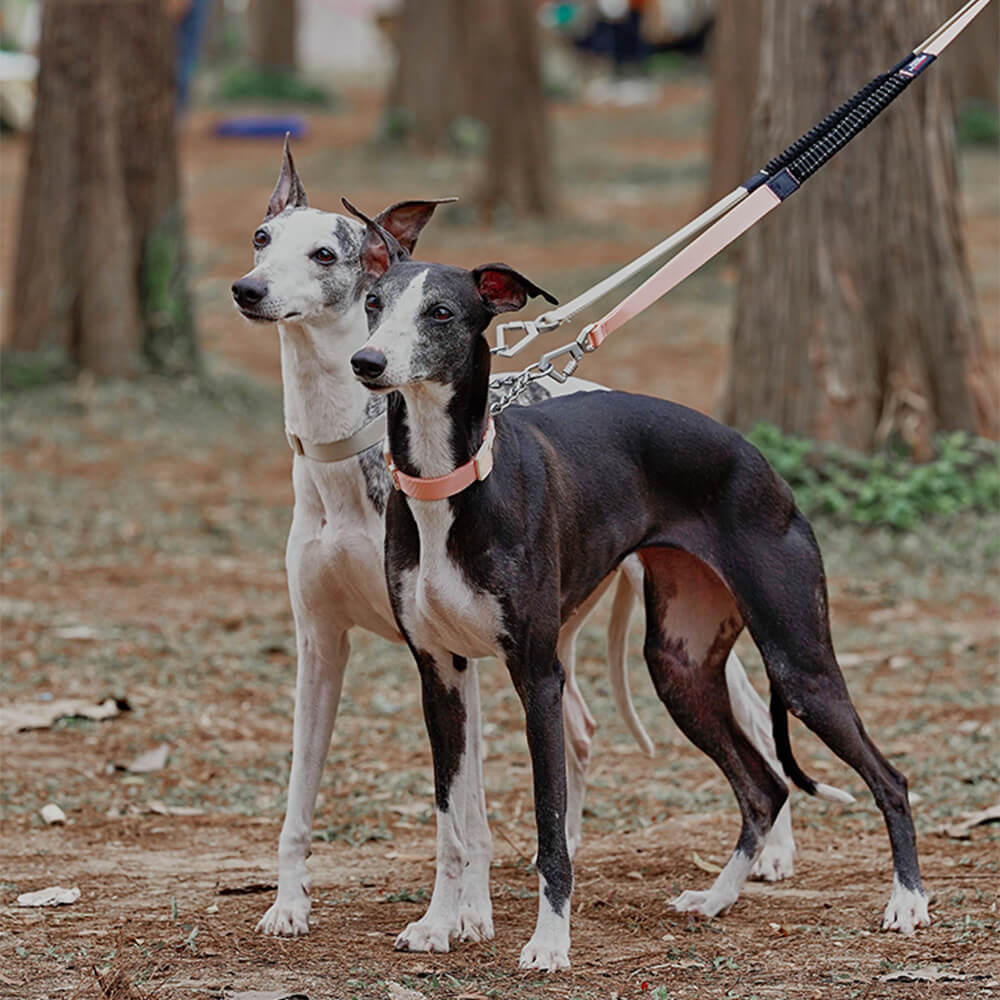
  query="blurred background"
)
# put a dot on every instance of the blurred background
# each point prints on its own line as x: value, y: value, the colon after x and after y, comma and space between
x: 141, y: 140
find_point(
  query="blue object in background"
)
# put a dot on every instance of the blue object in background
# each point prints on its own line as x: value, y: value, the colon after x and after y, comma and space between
x: 262, y: 126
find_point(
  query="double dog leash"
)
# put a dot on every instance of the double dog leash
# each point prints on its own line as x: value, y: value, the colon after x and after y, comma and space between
x: 726, y: 220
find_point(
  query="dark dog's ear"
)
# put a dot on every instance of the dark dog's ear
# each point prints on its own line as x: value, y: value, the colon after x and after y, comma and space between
x: 504, y: 290
x: 288, y: 192
x: 406, y: 219
x: 379, y: 249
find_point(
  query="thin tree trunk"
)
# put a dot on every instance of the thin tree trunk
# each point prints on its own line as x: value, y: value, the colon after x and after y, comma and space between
x: 430, y: 85
x: 506, y: 53
x: 101, y: 266
x: 855, y: 317
x: 272, y: 27
x: 735, y: 47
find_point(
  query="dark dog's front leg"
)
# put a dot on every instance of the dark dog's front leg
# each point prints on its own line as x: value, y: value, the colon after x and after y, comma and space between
x: 541, y: 695
x: 460, y: 904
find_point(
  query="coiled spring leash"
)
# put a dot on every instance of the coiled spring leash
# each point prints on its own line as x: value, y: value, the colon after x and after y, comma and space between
x: 727, y: 219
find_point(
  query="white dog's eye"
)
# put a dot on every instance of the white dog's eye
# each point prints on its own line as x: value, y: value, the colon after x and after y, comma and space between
x: 441, y: 314
x: 324, y: 255
x: 261, y: 238
x: 371, y: 302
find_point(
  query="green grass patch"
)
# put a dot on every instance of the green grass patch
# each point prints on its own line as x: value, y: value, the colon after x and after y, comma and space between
x: 888, y: 488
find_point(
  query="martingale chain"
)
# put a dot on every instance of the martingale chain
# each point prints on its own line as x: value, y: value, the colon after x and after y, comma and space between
x: 509, y: 387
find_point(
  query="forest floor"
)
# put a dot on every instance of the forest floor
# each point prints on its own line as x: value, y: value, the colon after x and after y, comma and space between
x: 143, y: 542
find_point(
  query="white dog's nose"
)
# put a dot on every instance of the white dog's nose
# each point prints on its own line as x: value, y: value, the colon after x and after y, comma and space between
x: 248, y: 292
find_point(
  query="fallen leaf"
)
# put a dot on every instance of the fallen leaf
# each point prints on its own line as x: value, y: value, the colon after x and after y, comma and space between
x: 398, y: 992
x: 706, y: 866
x: 962, y: 830
x: 926, y: 974
x: 151, y: 760
x: 162, y: 809
x: 248, y: 889
x: 51, y: 813
x: 40, y: 715
x: 263, y: 995
x: 54, y: 895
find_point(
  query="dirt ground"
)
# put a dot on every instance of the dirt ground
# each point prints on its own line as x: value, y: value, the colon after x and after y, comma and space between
x: 143, y: 535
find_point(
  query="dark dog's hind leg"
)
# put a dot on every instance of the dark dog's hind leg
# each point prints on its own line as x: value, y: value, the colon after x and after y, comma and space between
x: 783, y: 593
x: 691, y: 624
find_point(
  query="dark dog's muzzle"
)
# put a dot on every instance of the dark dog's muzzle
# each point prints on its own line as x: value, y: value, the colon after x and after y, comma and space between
x: 368, y: 364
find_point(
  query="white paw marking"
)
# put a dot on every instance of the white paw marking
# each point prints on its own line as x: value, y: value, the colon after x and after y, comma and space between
x: 288, y: 915
x: 544, y: 957
x: 775, y: 863
x: 425, y: 935
x: 702, y: 903
x: 906, y: 910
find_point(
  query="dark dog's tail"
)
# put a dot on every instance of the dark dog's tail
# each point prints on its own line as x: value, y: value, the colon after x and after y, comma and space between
x: 783, y: 747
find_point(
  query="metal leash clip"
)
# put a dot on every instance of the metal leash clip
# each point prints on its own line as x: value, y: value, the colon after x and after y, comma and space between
x: 533, y: 328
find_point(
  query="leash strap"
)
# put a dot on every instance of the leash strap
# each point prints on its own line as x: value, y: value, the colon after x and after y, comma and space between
x: 736, y: 212
x: 441, y: 487
x: 337, y: 451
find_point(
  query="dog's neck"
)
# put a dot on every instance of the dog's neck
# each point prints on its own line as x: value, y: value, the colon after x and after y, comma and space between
x: 433, y: 427
x: 323, y: 400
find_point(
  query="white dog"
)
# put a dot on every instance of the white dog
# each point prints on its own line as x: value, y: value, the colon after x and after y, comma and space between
x: 307, y: 278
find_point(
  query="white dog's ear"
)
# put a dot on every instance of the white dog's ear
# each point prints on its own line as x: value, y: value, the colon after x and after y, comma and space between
x: 288, y: 192
x: 406, y: 219
x: 505, y: 290
x: 379, y: 249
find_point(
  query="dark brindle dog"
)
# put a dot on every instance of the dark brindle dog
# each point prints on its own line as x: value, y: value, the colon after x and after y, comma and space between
x: 515, y: 533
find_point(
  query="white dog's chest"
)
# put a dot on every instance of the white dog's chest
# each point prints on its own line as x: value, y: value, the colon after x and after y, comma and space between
x: 440, y: 607
x: 336, y: 558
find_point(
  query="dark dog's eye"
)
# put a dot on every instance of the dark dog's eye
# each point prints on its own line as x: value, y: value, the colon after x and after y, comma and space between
x: 324, y: 255
x: 261, y: 238
x: 441, y: 314
x: 371, y: 302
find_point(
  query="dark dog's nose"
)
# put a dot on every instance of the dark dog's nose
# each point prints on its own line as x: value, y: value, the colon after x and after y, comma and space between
x: 368, y: 363
x: 248, y: 292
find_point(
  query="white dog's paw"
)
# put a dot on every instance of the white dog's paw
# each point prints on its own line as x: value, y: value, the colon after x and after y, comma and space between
x: 543, y: 955
x: 425, y: 935
x: 701, y: 903
x: 287, y: 919
x: 906, y: 911
x: 776, y: 862
x: 475, y: 923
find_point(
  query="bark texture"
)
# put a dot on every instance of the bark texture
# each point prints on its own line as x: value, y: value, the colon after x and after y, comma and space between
x: 100, y: 271
x: 735, y: 47
x: 507, y: 81
x: 480, y: 58
x: 855, y: 317
x: 271, y: 27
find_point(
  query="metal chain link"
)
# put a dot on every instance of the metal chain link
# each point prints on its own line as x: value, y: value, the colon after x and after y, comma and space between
x: 511, y: 386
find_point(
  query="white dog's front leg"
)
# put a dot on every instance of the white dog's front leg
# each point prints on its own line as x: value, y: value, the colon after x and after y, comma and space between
x: 317, y: 695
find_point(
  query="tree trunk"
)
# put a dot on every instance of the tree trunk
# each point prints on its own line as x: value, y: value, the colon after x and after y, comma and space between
x: 100, y: 272
x: 507, y: 83
x: 430, y: 86
x: 855, y: 318
x: 977, y: 58
x: 272, y: 27
x: 735, y: 46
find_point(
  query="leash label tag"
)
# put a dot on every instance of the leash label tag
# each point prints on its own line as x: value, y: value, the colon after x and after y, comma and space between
x: 783, y: 184
x: 917, y: 65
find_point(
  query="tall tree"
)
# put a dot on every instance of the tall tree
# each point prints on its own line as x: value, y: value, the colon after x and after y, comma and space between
x: 101, y: 265
x: 271, y: 28
x: 855, y: 316
x: 480, y: 58
x: 735, y: 47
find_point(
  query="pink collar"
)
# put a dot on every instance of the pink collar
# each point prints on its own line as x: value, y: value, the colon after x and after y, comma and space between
x: 440, y: 487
